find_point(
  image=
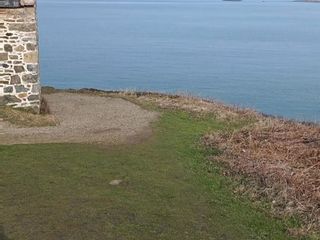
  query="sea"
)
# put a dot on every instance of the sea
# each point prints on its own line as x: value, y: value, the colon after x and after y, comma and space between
x: 258, y: 54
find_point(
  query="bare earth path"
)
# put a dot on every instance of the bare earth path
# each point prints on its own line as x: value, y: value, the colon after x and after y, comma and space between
x: 85, y: 119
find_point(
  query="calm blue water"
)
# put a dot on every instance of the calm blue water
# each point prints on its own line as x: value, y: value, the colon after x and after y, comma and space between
x: 264, y: 55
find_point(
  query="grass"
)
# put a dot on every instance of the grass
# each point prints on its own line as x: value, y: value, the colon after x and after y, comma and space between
x: 169, y: 190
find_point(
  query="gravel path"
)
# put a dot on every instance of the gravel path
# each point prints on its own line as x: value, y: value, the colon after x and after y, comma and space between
x: 85, y: 119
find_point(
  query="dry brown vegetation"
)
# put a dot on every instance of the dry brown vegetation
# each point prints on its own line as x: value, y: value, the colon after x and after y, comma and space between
x: 198, y: 105
x: 27, y: 118
x: 283, y: 160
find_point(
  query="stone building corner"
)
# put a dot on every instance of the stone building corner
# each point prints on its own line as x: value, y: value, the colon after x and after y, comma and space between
x: 19, y: 55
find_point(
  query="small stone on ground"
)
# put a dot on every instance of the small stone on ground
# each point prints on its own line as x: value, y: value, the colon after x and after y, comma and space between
x: 115, y: 182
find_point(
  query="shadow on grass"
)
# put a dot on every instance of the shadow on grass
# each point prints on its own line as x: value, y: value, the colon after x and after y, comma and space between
x: 2, y: 234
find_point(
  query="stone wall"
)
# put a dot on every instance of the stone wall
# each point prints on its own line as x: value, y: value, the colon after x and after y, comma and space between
x: 19, y: 64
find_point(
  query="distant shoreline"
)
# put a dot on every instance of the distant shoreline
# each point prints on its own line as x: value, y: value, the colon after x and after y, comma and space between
x: 308, y: 1
x: 49, y: 89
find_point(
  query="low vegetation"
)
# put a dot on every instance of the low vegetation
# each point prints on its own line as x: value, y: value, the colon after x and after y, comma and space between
x: 274, y: 160
x: 282, y: 160
x: 194, y: 179
x: 168, y: 190
x: 27, y: 118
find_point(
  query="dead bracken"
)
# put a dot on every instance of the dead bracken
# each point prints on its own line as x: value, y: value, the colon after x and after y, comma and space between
x: 282, y: 158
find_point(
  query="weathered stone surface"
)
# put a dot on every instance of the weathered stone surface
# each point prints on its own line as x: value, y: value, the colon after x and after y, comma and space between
x: 19, y: 80
x: 36, y: 88
x: 7, y: 78
x: 30, y: 57
x: 31, y: 47
x: 21, y: 88
x: 3, y: 56
x: 8, y: 48
x: 22, y: 95
x: 34, y: 97
x: 11, y: 99
x: 20, y: 48
x: 19, y: 69
x: 32, y: 67
x: 2, y: 101
x: 15, y: 79
x: 30, y: 78
x: 8, y: 89
x: 27, y: 2
x: 13, y: 57
x: 22, y: 27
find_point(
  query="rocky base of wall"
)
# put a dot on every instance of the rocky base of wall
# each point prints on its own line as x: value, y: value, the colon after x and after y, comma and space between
x: 19, y: 68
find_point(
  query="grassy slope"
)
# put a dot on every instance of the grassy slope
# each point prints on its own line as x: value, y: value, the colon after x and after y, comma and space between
x: 62, y: 191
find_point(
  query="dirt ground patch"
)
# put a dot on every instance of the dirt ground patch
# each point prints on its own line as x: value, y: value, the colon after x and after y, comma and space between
x: 85, y: 119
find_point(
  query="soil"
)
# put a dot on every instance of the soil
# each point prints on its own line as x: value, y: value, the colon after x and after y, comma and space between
x: 85, y: 119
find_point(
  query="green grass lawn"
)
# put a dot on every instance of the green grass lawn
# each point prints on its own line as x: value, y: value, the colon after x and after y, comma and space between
x: 169, y: 190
